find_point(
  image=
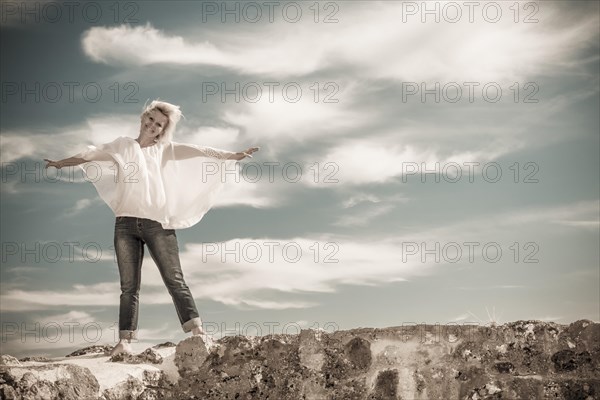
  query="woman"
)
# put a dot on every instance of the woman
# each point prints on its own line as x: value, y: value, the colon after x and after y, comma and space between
x: 154, y: 186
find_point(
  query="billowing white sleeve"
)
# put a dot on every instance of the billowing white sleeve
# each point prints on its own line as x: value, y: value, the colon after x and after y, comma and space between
x: 183, y: 151
x: 193, y: 177
x: 104, y: 168
x: 101, y: 152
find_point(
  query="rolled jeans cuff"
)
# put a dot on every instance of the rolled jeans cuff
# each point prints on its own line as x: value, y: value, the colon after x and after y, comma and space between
x: 132, y: 335
x: 191, y: 324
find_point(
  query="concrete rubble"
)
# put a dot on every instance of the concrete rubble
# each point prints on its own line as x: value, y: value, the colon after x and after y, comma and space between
x: 518, y: 360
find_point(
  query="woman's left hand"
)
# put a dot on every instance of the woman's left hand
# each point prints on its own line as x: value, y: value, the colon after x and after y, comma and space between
x: 249, y: 151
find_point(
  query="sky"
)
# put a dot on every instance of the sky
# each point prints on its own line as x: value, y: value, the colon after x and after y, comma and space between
x: 419, y: 164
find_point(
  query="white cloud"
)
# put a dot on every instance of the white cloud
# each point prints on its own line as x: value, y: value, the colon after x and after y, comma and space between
x: 243, y: 272
x: 558, y: 214
x: 282, y: 124
x: 78, y: 317
x: 359, y: 198
x: 138, y: 45
x: 369, y: 38
x: 23, y: 276
x: 589, y: 224
x: 491, y: 287
x: 259, y: 195
x: 376, y: 206
x: 270, y: 305
x: 365, y: 217
x: 15, y: 146
x: 59, y: 144
x: 409, y: 151
x: 105, y: 293
x: 370, y: 45
x: 24, y: 269
x: 163, y: 332
x: 371, y: 160
x: 79, y: 206
x: 226, y: 138
x: 241, y: 282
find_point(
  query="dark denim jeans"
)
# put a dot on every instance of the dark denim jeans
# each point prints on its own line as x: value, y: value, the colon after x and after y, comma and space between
x: 131, y: 233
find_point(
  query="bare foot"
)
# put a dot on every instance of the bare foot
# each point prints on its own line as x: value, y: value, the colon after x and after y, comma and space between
x: 121, y: 347
x: 197, y: 331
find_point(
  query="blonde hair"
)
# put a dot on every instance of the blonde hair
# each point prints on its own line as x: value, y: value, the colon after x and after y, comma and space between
x: 171, y: 111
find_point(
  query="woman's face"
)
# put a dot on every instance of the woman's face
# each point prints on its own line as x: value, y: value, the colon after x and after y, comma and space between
x: 153, y: 123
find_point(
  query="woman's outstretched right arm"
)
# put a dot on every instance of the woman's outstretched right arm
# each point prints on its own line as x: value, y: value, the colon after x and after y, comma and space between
x: 101, y: 152
x: 67, y: 162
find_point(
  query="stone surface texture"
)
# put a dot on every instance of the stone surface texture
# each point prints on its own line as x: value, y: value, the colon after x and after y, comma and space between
x: 518, y: 360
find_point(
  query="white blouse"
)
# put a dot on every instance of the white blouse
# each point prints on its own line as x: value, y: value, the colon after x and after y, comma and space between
x: 174, y: 184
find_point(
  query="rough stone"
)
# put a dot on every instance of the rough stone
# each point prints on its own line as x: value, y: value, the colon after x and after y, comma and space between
x: 148, y: 356
x: 105, y: 349
x: 62, y: 381
x: 35, y: 358
x: 163, y: 345
x: 518, y: 360
x: 190, y: 354
x: 6, y: 359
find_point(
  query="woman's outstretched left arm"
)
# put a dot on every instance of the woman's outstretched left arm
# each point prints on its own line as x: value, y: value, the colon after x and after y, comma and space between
x: 183, y: 151
x: 243, y: 154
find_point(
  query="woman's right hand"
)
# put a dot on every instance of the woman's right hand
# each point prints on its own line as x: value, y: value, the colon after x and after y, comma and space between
x: 51, y: 163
